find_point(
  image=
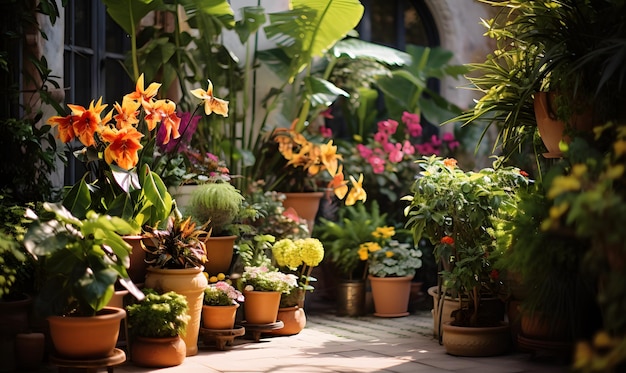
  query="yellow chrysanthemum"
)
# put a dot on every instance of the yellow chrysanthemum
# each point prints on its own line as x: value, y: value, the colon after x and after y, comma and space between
x: 311, y: 251
x: 287, y: 254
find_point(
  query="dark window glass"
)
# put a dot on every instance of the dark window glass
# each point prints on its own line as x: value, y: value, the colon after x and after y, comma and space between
x: 83, y: 23
x: 94, y: 49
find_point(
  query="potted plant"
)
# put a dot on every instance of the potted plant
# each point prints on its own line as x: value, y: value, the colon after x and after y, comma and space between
x: 298, y: 257
x: 220, y: 304
x: 81, y: 260
x: 156, y: 324
x: 175, y: 257
x: 391, y: 266
x: 460, y: 212
x: 341, y: 240
x: 567, y: 48
x: 586, y: 198
x: 262, y: 287
x: 549, y: 295
x: 18, y: 272
x: 301, y: 164
x: 217, y: 204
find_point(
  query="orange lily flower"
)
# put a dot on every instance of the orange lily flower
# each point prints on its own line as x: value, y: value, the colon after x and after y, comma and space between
x: 211, y: 103
x: 329, y: 157
x: 144, y: 95
x: 66, y: 130
x: 87, y: 121
x: 169, y: 119
x: 357, y: 193
x: 123, y: 148
x: 338, y: 184
x: 126, y: 113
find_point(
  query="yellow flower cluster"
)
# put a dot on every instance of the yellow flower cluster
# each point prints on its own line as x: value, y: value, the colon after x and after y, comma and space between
x: 384, y: 232
x: 366, y: 248
x: 315, y: 158
x: 292, y: 254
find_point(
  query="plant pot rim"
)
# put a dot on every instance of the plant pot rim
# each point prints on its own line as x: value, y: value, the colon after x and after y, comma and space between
x: 104, y: 313
x: 503, y: 326
x: 229, y: 237
x: 390, y: 278
x: 176, y: 270
x: 230, y: 305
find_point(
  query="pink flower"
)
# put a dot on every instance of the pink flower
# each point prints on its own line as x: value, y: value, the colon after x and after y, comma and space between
x: 389, y: 147
x: 364, y: 151
x: 435, y: 140
x: 211, y: 156
x: 326, y: 132
x: 388, y: 126
x: 453, y: 145
x: 425, y: 148
x: 381, y: 137
x: 410, y: 118
x: 448, y: 136
x: 413, y: 126
x: 377, y: 163
x: 408, y: 148
x: 396, y: 154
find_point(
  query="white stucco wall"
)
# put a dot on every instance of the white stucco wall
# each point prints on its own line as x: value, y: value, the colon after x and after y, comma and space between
x: 460, y: 31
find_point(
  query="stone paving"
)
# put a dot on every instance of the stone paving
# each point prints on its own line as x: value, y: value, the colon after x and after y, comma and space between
x: 346, y: 344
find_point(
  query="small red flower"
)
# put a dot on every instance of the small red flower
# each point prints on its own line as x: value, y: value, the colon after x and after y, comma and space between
x: 523, y: 173
x: 447, y: 240
x: 494, y: 275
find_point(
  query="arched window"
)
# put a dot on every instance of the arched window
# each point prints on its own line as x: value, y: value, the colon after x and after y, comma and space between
x: 396, y: 23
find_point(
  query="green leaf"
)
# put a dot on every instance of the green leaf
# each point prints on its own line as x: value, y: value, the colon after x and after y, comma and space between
x: 311, y: 28
x: 128, y: 13
x: 322, y: 92
x: 78, y: 199
x: 253, y: 17
x: 353, y: 48
x: 157, y: 202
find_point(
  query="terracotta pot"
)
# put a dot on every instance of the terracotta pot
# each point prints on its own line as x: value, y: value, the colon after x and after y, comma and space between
x: 442, y: 312
x: 294, y: 319
x: 219, y: 317
x: 219, y: 254
x: 189, y: 282
x: 84, y: 338
x: 351, y: 298
x: 137, y: 269
x: 118, y: 299
x: 305, y: 204
x: 391, y: 295
x: 29, y: 350
x: 476, y: 341
x: 539, y: 327
x: 261, y: 307
x: 551, y: 128
x: 158, y: 352
x: 14, y: 316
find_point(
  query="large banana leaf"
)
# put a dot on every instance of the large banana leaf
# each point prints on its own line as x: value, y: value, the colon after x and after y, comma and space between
x: 359, y: 49
x: 312, y: 27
